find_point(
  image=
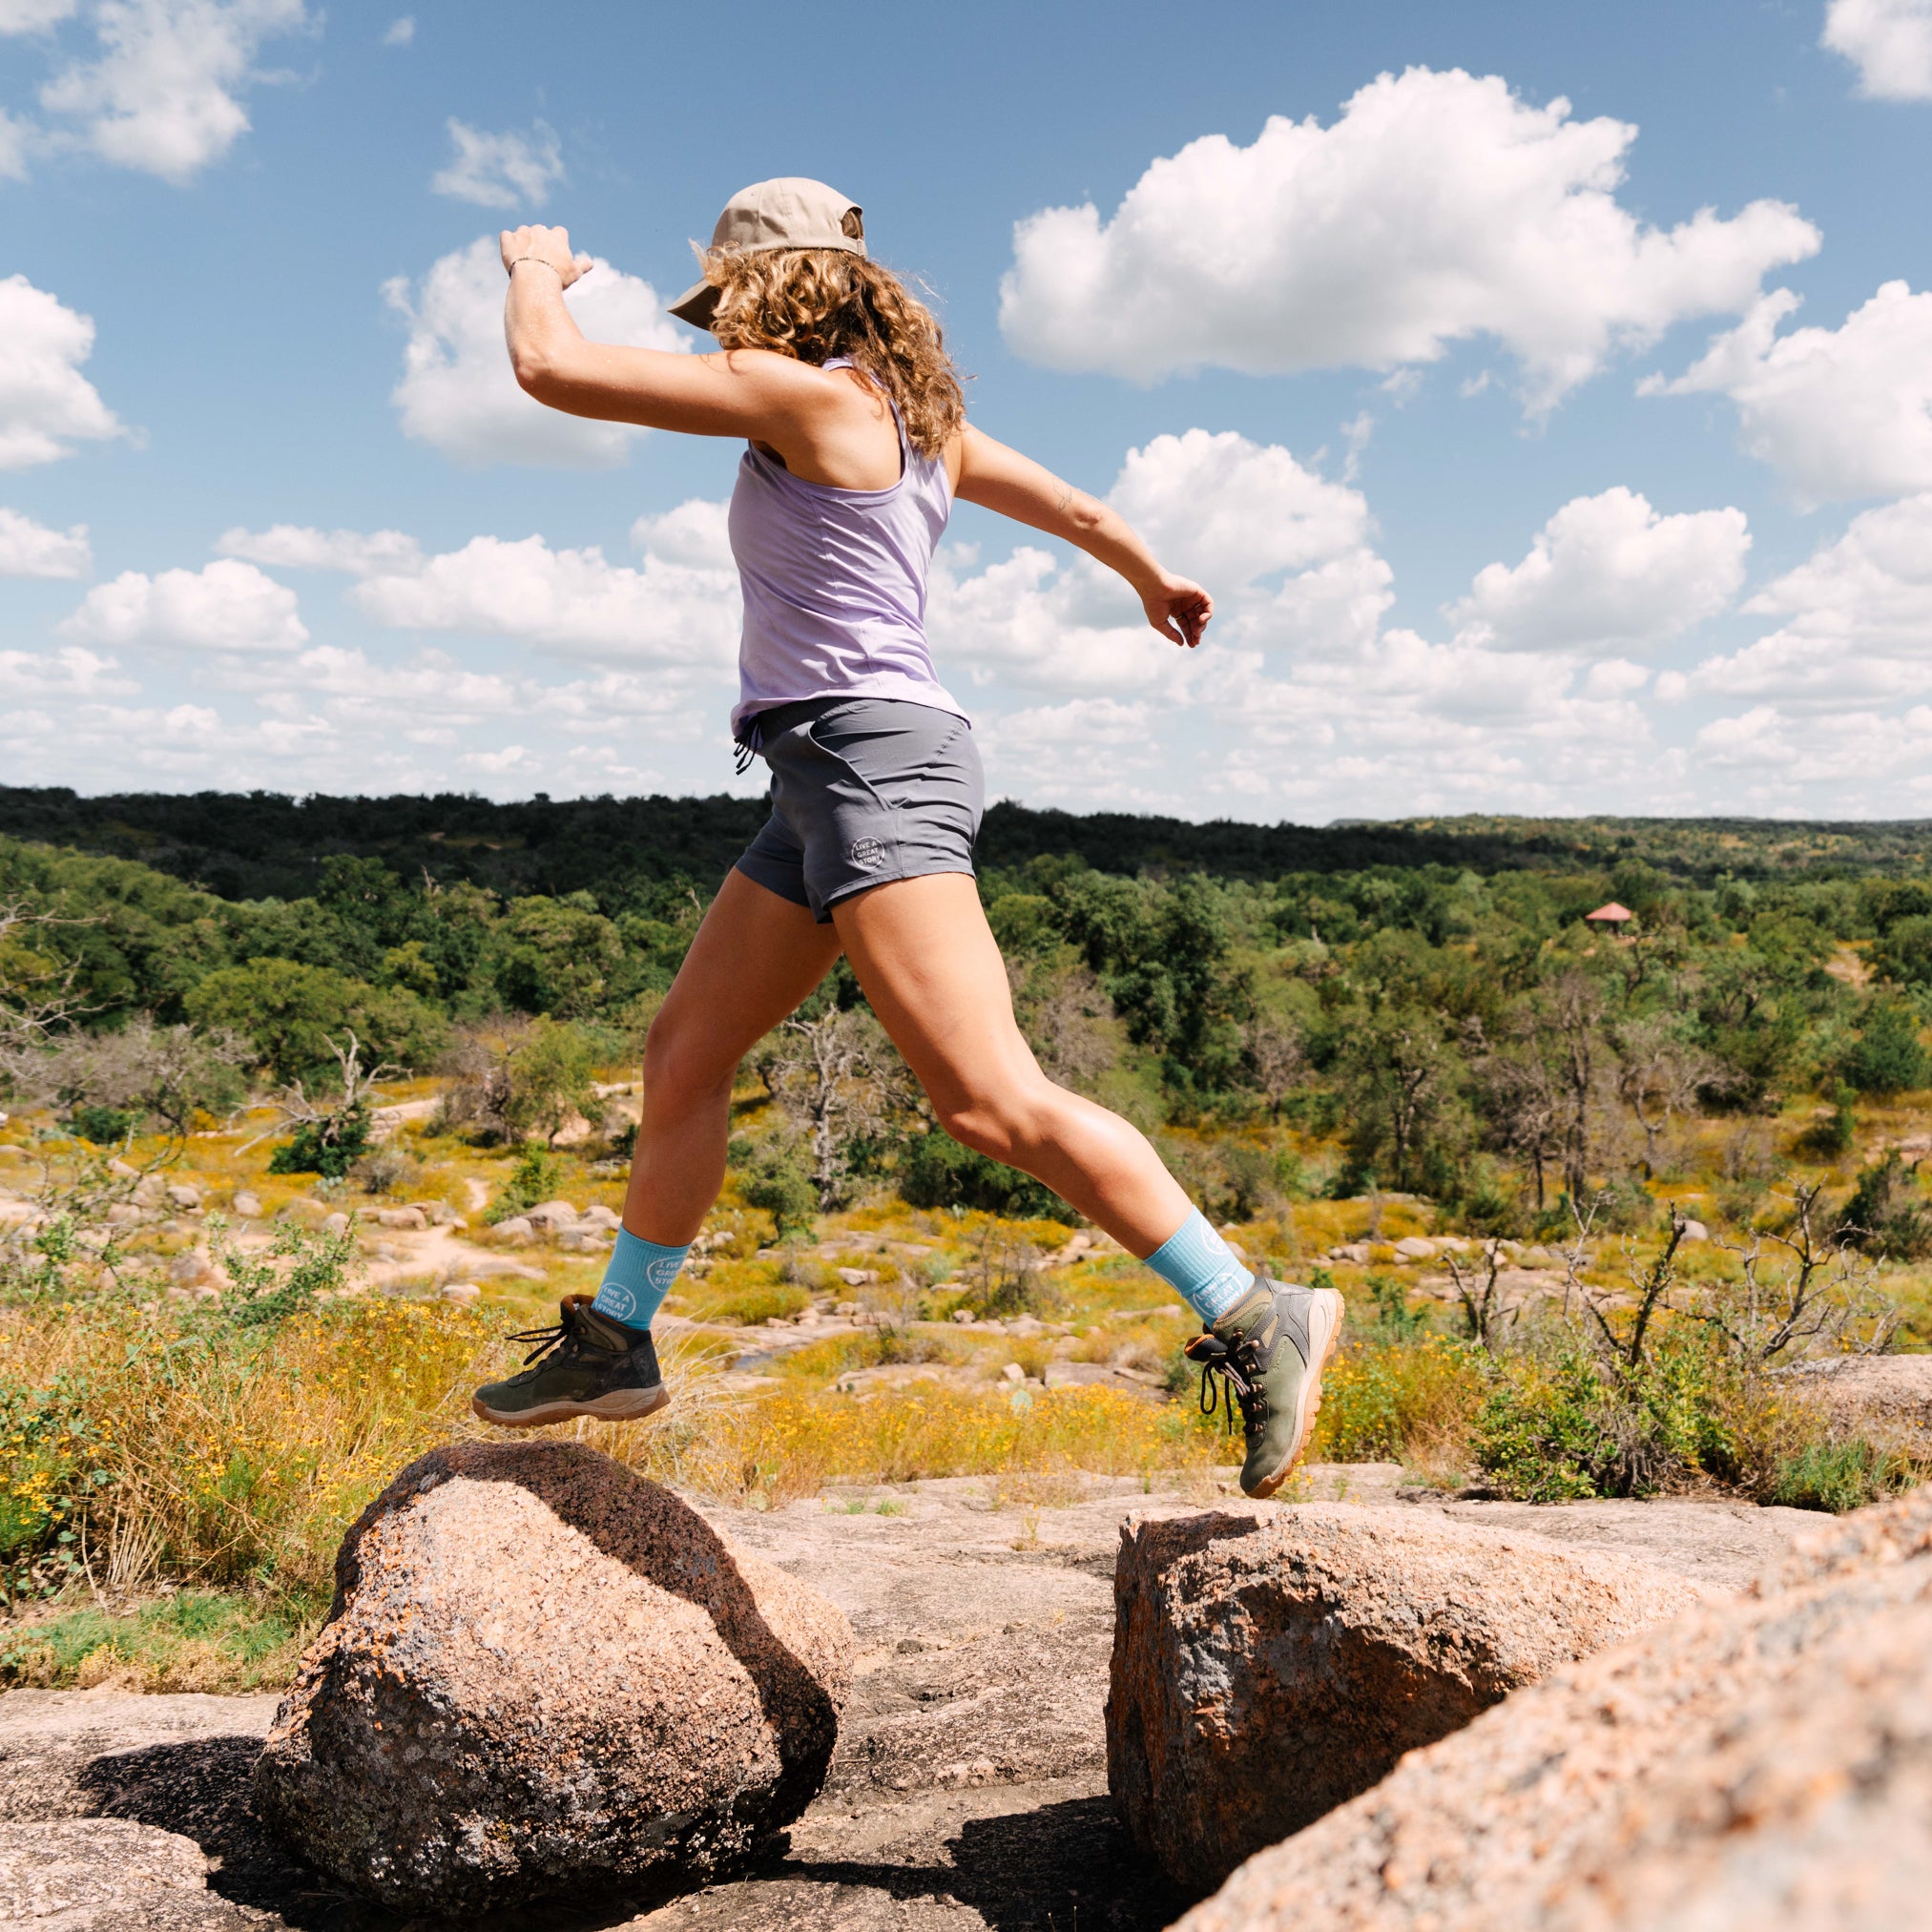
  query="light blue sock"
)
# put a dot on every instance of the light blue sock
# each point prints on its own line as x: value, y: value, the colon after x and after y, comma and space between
x: 637, y: 1278
x: 1202, y: 1268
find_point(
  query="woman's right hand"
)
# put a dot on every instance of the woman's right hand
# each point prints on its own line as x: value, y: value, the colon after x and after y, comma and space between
x: 1178, y: 609
x: 548, y: 245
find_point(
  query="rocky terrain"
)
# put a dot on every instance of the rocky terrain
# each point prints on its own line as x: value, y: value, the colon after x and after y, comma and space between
x: 970, y: 1786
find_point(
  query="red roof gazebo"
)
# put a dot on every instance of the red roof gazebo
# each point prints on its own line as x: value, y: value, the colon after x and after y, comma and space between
x: 1611, y: 915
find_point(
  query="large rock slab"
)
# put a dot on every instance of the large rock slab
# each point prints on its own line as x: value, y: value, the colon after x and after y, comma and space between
x: 1265, y: 1670
x: 1758, y: 1766
x: 543, y: 1675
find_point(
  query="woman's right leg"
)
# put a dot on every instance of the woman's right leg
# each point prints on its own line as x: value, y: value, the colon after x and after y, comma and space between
x: 756, y: 957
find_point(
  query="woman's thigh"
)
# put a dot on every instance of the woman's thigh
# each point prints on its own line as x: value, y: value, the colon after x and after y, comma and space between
x: 932, y: 972
x: 756, y: 957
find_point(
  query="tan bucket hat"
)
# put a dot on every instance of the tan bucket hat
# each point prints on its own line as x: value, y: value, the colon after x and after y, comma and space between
x: 791, y: 211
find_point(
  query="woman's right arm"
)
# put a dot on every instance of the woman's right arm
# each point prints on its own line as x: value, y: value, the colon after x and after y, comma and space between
x: 1000, y: 478
x: 743, y: 392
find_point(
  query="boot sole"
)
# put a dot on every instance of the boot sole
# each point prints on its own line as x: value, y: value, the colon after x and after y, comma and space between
x: 1328, y: 1308
x: 620, y: 1406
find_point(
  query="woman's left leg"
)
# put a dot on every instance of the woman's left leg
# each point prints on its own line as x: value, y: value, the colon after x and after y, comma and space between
x: 929, y: 965
x: 933, y: 971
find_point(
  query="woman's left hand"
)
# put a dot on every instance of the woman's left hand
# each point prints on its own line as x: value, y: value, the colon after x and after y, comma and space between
x: 1178, y: 609
x: 551, y: 246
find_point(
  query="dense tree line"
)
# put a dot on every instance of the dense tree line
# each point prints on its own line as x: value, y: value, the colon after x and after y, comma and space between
x: 270, y: 845
x: 1456, y: 1034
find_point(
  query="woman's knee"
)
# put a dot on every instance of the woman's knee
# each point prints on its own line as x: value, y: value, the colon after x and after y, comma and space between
x: 680, y: 1066
x: 1007, y: 1124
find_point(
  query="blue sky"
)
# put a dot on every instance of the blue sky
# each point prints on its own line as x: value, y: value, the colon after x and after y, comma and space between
x: 1543, y: 391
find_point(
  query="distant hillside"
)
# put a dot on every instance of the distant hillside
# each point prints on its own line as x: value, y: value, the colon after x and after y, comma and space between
x: 264, y: 844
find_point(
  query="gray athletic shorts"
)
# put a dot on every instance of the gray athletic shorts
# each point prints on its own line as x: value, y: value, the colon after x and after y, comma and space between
x: 864, y: 790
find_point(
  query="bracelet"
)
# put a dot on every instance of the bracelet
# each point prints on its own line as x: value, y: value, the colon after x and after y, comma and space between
x: 550, y: 265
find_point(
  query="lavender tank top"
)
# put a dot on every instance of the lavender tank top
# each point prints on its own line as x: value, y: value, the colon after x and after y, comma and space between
x: 835, y: 583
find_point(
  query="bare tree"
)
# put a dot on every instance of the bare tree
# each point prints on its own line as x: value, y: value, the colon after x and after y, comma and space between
x: 1523, y: 1111
x: 1484, y: 1313
x: 836, y: 1077
x: 1276, y: 1061
x: 1804, y: 1291
x: 1064, y: 1014
x: 37, y: 996
x: 164, y: 1073
x: 333, y: 1118
x: 1621, y: 1318
x: 1660, y: 1073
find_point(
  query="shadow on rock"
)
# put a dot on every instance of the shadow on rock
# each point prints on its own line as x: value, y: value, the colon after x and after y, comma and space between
x: 1063, y: 1867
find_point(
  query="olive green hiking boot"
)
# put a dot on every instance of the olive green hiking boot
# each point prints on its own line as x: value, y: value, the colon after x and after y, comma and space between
x: 1269, y: 1350
x: 587, y: 1365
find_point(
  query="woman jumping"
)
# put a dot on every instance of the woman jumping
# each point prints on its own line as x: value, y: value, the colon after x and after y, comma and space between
x: 858, y: 446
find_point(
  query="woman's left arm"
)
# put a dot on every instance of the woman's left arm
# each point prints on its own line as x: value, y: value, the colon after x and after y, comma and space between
x: 1000, y: 478
x: 738, y: 393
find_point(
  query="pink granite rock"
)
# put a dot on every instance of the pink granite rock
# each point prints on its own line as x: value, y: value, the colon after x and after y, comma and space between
x: 1266, y: 1671
x: 543, y: 1675
x: 1763, y: 1765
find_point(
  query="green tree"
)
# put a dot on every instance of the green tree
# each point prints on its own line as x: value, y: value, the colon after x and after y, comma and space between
x: 289, y: 1013
x: 551, y: 1076
x: 557, y: 956
x: 1888, y: 1056
x: 1906, y: 952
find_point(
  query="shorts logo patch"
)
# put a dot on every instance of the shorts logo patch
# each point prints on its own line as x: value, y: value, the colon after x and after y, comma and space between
x: 866, y: 853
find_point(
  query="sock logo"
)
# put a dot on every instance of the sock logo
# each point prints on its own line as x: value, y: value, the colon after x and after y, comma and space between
x: 663, y: 1272
x: 615, y: 1300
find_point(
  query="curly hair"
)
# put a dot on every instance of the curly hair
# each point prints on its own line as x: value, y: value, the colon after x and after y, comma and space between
x: 816, y: 303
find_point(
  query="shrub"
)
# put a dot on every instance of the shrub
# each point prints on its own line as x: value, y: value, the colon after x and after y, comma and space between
x: 1838, y: 1476
x: 775, y: 1176
x: 1580, y: 1427
x: 1888, y: 1215
x: 536, y: 1177
x: 103, y: 1126
x: 1400, y: 1402
x: 328, y: 1147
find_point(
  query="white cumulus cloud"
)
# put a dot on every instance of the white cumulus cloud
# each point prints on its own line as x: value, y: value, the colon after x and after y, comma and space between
x: 1608, y: 573
x: 400, y: 30
x: 1857, y: 619
x: 1842, y: 412
x: 34, y: 16
x: 164, y: 92
x: 226, y: 606
x: 30, y: 549
x: 1439, y: 206
x: 678, y: 609
x: 501, y: 171
x: 1283, y: 551
x: 46, y: 404
x: 15, y: 136
x: 292, y: 547
x: 1890, y: 43
x: 457, y: 391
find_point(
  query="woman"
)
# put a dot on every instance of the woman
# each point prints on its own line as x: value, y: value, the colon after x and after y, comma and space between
x: 858, y: 446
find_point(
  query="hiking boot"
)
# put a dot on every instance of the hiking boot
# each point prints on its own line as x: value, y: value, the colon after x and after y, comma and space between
x: 1269, y: 1350
x: 587, y: 1365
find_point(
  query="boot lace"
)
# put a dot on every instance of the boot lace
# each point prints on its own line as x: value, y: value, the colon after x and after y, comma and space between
x: 563, y: 1337
x: 1227, y: 1380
